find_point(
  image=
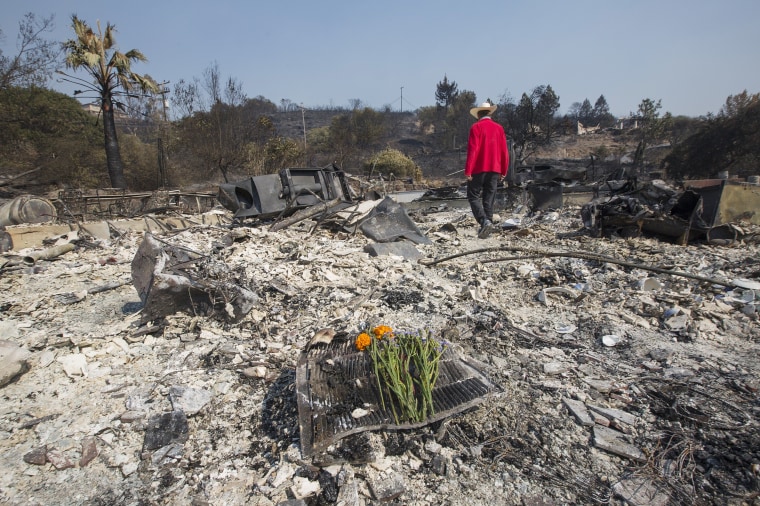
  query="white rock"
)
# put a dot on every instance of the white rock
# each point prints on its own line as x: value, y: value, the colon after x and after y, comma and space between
x: 255, y: 372
x: 74, y: 364
x: 12, y: 361
x: 121, y: 343
x: 46, y: 358
x: 128, y: 468
x: 189, y: 400
x: 9, y: 329
x: 303, y: 487
x: 284, y: 473
x: 554, y: 368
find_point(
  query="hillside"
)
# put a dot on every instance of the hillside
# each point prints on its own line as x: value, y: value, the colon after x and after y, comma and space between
x: 404, y: 134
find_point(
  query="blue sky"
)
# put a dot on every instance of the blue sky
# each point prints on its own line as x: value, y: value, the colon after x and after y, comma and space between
x: 690, y: 54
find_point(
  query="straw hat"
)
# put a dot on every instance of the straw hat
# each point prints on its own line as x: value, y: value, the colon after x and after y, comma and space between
x: 485, y: 106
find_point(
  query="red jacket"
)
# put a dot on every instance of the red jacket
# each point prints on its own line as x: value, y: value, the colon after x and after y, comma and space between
x: 486, y: 149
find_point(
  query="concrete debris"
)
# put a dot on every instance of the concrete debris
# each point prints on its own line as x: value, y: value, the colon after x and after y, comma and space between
x: 641, y: 491
x: 189, y: 400
x: 579, y: 411
x: 13, y: 361
x: 613, y: 413
x: 386, y: 486
x: 74, y: 364
x: 129, y: 395
x: 613, y: 442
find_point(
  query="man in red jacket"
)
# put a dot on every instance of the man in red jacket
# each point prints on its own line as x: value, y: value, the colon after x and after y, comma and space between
x: 487, y: 164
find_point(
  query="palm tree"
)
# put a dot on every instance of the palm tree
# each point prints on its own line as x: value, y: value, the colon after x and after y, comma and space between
x: 111, y: 71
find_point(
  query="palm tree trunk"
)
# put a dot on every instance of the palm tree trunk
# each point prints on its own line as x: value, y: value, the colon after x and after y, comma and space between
x: 113, y: 155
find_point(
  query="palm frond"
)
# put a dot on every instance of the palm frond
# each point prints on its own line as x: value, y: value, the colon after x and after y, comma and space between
x: 109, y: 40
x: 135, y: 55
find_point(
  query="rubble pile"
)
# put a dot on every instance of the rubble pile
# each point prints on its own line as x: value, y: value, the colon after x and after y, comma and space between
x: 616, y: 384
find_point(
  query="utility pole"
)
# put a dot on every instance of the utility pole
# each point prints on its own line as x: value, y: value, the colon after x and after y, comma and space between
x: 164, y: 91
x: 401, y: 109
x: 303, y: 119
x: 163, y: 180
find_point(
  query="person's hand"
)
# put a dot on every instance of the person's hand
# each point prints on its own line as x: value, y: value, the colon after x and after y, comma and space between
x: 469, y: 178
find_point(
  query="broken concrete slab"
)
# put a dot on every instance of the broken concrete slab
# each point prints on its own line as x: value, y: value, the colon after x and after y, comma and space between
x: 641, y: 491
x: 613, y: 441
x: 579, y: 411
x: 617, y: 414
x: 74, y: 364
x: 386, y: 487
x: 13, y: 361
x: 602, y: 386
x: 189, y: 400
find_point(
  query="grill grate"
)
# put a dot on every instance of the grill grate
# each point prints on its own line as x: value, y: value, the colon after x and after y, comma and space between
x: 335, y: 379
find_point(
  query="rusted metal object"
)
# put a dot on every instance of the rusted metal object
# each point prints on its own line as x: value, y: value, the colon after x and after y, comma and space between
x: 48, y: 253
x: 77, y: 205
x: 27, y: 209
x: 726, y: 201
x: 333, y: 380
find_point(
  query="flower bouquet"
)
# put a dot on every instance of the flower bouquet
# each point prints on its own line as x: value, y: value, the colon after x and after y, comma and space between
x: 405, y: 366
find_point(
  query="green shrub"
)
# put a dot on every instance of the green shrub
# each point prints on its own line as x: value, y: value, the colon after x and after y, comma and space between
x: 392, y: 163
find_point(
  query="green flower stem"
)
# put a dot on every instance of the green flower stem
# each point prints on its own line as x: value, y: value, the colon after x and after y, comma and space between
x: 406, y: 369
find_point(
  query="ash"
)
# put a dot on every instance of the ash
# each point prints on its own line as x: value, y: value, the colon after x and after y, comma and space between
x: 613, y: 390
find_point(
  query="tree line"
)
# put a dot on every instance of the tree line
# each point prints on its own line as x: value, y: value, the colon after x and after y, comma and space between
x: 219, y: 132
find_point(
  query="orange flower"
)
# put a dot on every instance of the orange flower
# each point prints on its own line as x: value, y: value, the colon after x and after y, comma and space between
x: 362, y: 341
x: 382, y: 330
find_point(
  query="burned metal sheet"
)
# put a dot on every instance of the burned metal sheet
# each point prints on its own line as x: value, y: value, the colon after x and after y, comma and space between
x: 549, y: 173
x: 388, y: 222
x: 726, y: 202
x: 333, y: 380
x: 545, y: 196
x: 289, y: 190
x: 170, y: 279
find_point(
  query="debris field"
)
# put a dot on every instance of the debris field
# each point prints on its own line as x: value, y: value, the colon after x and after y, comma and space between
x: 625, y: 382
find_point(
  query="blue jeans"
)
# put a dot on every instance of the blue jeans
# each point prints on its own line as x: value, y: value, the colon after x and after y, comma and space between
x: 481, y: 192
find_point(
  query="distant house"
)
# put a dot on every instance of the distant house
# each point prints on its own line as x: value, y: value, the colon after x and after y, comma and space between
x: 93, y: 109
x: 583, y: 130
x: 629, y: 123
